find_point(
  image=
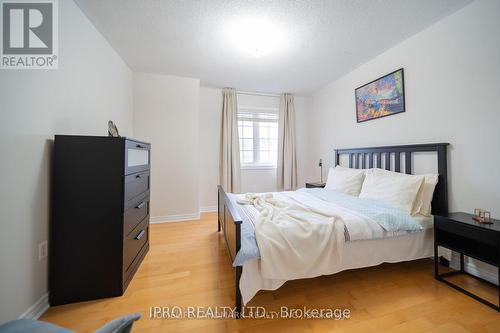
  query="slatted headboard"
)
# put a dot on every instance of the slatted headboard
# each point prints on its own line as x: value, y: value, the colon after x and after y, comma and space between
x: 358, y: 159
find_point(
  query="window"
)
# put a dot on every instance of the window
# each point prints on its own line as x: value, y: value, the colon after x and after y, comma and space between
x: 258, y: 133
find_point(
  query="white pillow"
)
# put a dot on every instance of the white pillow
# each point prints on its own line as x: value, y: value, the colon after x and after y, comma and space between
x: 396, y: 189
x: 424, y: 197
x: 345, y: 180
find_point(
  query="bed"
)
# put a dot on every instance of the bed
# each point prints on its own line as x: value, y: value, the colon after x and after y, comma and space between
x: 405, y: 246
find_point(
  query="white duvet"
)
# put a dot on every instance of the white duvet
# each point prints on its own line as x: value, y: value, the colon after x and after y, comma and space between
x: 297, y: 238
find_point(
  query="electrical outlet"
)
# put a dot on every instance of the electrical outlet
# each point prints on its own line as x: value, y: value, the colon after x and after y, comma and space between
x: 42, y: 250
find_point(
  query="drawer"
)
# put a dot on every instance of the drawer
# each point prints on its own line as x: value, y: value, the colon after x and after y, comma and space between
x: 135, y: 185
x: 135, y: 214
x: 478, y: 243
x: 137, y: 156
x: 133, y: 243
x: 128, y: 274
x: 479, y: 235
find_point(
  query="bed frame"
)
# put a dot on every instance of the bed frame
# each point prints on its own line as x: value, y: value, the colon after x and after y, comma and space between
x: 229, y: 221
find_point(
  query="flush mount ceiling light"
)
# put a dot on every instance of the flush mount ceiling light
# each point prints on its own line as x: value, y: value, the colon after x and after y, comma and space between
x: 256, y: 36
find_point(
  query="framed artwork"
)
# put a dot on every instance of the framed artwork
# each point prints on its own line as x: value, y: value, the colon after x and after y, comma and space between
x: 382, y: 97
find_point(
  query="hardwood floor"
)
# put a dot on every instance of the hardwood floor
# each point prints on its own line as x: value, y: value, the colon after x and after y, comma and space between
x: 188, y: 266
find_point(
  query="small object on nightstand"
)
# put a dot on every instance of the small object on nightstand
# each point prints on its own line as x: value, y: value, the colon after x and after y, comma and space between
x: 482, y: 216
x: 315, y: 185
x: 459, y: 232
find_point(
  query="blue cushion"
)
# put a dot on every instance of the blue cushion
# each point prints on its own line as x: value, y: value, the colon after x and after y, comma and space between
x: 120, y: 325
x: 28, y: 325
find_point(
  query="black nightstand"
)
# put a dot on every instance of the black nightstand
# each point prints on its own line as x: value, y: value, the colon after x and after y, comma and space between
x: 315, y: 185
x: 460, y: 233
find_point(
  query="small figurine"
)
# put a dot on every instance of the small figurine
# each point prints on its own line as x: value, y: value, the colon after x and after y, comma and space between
x: 112, y: 129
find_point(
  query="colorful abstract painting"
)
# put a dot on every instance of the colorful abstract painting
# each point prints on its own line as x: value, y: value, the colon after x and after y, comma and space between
x: 381, y: 97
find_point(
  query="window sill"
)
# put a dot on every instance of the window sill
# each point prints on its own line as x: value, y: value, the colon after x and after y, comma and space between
x: 258, y: 167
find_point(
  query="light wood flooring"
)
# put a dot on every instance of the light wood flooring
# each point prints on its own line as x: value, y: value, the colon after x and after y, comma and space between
x: 188, y: 265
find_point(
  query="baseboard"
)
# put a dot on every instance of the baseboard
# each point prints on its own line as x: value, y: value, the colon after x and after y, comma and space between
x: 183, y: 217
x: 38, y: 309
x: 482, y: 273
x: 470, y: 267
x: 174, y: 218
x: 208, y: 209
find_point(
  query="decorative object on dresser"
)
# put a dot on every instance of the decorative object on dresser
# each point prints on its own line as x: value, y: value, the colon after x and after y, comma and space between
x: 112, y: 129
x: 459, y: 232
x: 99, y: 232
x: 382, y: 97
x: 315, y: 185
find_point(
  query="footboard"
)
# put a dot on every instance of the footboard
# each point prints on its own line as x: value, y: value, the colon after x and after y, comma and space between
x: 229, y: 222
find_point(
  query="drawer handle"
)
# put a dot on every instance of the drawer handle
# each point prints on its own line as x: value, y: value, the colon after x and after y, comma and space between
x: 140, y: 146
x: 139, y: 206
x: 139, y: 235
x: 138, y: 176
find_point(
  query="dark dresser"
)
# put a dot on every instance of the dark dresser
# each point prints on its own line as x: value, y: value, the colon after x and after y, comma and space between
x: 99, y: 230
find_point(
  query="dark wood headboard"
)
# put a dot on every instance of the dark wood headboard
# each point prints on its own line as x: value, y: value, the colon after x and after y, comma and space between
x: 358, y: 159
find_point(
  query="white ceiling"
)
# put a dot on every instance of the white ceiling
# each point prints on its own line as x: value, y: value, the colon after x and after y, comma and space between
x: 315, y: 42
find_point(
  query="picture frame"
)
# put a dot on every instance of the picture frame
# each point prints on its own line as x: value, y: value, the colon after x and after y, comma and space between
x: 382, y: 97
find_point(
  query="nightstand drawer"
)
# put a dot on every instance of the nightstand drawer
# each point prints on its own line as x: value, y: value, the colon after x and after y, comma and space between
x: 471, y: 248
x: 476, y: 242
x: 470, y: 232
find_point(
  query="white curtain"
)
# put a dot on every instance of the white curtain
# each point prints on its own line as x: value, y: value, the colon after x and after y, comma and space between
x: 229, y: 166
x: 287, y: 159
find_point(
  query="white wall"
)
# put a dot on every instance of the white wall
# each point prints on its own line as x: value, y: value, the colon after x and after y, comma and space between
x: 452, y: 80
x: 210, y: 122
x: 166, y: 113
x: 91, y: 86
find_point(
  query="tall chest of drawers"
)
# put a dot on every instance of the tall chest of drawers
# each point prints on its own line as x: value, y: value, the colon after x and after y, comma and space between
x: 99, y: 230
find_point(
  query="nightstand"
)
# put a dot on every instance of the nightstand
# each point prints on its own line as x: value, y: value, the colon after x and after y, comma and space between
x: 460, y: 233
x: 315, y: 185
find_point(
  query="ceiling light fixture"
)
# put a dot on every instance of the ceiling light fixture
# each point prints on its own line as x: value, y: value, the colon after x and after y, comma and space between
x: 256, y: 36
